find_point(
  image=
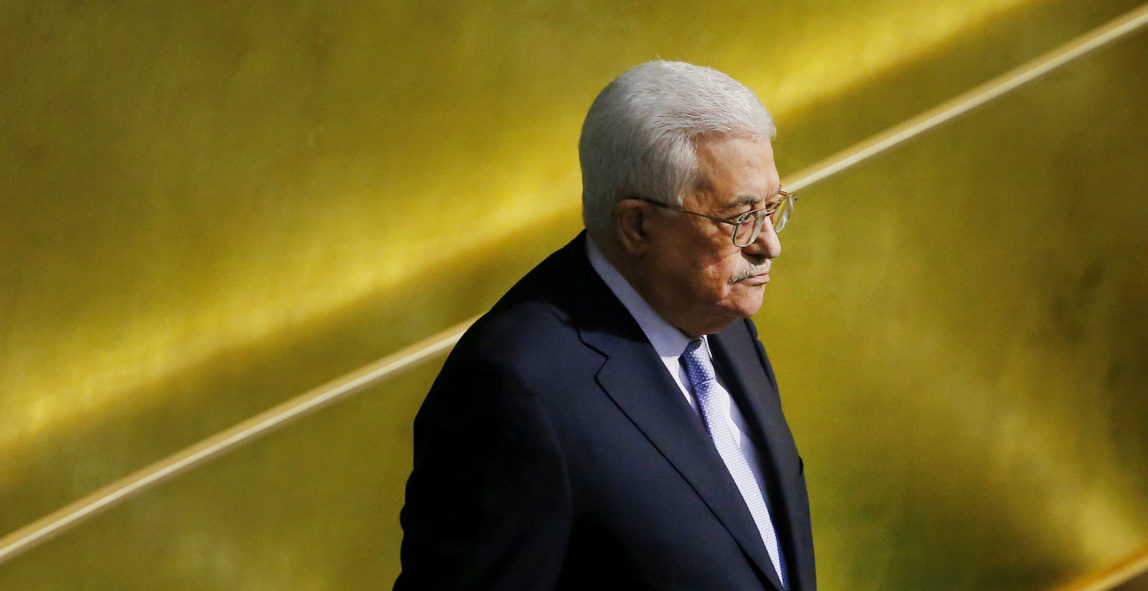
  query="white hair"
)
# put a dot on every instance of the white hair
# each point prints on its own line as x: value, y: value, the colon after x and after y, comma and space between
x: 640, y: 134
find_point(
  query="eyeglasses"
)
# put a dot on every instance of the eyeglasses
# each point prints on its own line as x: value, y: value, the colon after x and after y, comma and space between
x: 745, y: 232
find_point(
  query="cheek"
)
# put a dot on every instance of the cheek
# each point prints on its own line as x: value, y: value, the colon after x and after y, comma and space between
x: 742, y: 298
x: 701, y: 269
x: 717, y: 274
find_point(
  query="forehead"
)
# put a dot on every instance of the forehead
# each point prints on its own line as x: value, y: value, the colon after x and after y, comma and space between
x: 732, y: 169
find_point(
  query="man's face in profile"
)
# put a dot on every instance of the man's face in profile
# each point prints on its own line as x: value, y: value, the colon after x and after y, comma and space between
x: 701, y: 278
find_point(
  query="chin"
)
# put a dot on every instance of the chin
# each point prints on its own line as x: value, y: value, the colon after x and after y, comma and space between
x: 749, y: 311
x: 728, y: 316
x: 747, y: 304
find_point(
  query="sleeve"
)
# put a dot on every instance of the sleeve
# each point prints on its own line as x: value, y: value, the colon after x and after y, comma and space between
x: 487, y: 504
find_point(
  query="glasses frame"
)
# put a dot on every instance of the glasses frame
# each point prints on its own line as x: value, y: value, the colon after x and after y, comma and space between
x: 784, y: 207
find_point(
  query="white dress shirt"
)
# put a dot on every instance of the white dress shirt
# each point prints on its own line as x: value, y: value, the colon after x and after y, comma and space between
x: 670, y: 343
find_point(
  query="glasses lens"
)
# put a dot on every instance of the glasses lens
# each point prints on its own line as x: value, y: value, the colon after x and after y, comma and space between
x: 780, y: 216
x: 747, y: 227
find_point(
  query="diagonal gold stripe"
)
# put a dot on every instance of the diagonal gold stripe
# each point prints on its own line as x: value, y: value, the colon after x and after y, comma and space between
x: 73, y: 514
x: 955, y: 107
x: 1113, y: 577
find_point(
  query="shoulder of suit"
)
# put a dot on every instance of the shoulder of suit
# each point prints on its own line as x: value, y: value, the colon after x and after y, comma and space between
x: 522, y: 321
x: 540, y: 309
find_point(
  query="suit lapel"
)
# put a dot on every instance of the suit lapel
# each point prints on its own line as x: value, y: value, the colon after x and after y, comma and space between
x: 638, y: 383
x: 756, y: 395
x: 633, y: 376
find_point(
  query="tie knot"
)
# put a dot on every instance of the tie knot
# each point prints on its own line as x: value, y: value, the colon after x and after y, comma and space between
x: 698, y: 366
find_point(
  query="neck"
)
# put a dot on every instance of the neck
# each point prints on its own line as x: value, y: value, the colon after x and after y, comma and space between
x: 630, y: 268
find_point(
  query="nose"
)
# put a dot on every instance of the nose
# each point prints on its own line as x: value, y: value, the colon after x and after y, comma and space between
x: 767, y: 243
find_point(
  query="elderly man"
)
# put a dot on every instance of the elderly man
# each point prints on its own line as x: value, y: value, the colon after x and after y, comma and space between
x: 613, y: 422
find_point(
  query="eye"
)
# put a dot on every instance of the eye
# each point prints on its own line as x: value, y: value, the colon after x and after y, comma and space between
x: 741, y: 217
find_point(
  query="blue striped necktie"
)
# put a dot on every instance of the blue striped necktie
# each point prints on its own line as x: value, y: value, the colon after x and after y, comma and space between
x: 713, y: 401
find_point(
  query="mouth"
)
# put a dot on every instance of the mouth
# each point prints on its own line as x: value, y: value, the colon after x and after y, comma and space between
x: 760, y: 279
x: 754, y: 276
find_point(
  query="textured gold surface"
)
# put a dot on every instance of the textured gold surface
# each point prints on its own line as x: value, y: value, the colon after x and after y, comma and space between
x: 187, y: 181
x: 206, y: 211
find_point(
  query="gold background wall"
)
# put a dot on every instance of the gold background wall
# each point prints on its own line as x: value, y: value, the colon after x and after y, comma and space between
x: 208, y: 208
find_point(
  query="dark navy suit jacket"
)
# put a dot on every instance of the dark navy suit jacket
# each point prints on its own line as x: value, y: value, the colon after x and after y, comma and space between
x: 554, y: 451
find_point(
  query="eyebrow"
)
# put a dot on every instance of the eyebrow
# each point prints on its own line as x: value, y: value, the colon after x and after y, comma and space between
x: 752, y: 201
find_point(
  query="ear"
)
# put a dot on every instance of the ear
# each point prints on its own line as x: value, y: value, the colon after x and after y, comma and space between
x: 631, y: 218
